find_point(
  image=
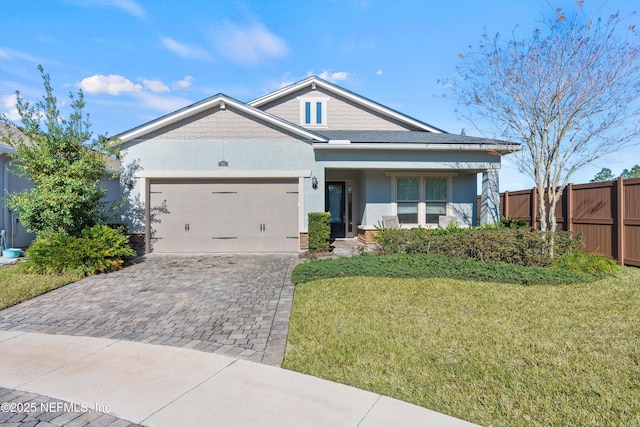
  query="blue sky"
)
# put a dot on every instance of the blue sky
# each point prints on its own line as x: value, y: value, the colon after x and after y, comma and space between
x: 139, y: 59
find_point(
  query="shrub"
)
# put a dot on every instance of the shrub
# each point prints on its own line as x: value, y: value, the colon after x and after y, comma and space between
x: 513, y: 223
x: 581, y: 262
x: 98, y: 249
x: 319, y: 231
x: 522, y: 246
x: 423, y: 266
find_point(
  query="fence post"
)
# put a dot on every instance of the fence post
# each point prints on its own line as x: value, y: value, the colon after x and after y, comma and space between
x: 620, y: 218
x: 569, y: 219
x: 506, y: 212
x: 533, y: 204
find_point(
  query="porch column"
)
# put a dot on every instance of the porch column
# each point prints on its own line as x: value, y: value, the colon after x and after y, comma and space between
x: 490, y: 202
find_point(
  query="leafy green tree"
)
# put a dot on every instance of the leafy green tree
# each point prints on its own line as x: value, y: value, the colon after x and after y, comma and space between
x: 64, y: 163
x: 569, y: 93
x: 604, y: 175
x: 633, y: 173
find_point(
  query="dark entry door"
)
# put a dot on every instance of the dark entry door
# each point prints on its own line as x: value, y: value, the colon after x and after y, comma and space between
x: 334, y: 204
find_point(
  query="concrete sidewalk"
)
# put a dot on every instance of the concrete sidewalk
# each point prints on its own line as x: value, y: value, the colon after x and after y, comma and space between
x: 167, y: 386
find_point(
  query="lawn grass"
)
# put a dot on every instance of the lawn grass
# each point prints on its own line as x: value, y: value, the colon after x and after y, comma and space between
x: 16, y: 285
x: 490, y: 353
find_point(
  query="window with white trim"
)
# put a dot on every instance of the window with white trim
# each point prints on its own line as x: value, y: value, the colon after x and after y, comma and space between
x: 420, y: 199
x: 313, y: 112
x: 435, y: 199
x: 407, y: 198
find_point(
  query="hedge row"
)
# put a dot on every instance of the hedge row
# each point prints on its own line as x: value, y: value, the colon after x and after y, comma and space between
x: 520, y: 246
x: 424, y: 266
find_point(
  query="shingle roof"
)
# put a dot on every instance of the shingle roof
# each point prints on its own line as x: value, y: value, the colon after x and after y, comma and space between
x: 407, y: 137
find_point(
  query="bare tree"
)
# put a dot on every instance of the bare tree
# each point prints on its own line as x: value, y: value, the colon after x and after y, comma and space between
x: 570, y: 93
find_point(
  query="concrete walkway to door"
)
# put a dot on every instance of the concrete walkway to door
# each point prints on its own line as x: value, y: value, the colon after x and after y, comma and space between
x: 234, y: 305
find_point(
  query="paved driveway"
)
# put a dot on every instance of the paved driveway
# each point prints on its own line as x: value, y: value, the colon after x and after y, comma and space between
x: 237, y: 305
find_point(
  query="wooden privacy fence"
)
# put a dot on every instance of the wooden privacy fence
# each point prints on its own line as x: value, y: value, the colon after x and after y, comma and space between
x: 606, y: 213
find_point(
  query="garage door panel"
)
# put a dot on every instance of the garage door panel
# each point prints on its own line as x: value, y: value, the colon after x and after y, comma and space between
x: 225, y: 215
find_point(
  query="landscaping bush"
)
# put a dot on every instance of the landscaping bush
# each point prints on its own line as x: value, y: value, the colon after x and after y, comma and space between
x: 98, y: 249
x: 513, y: 223
x: 319, y: 231
x: 522, y: 246
x: 423, y: 266
x: 581, y: 262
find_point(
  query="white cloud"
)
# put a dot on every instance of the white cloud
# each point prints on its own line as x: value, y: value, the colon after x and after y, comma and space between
x: 9, y: 107
x: 6, y: 53
x: 249, y: 45
x: 285, y: 84
x: 155, y: 86
x: 379, y: 72
x: 334, y: 77
x: 184, y: 83
x: 130, y: 7
x: 112, y: 84
x: 183, y: 50
x: 127, y: 6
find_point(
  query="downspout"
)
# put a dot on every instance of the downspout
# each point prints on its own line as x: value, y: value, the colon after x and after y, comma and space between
x: 5, y: 187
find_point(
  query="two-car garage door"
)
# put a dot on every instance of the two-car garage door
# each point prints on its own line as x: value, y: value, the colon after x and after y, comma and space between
x: 224, y: 215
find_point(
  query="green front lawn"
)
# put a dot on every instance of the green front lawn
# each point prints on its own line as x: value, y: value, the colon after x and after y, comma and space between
x: 16, y: 285
x: 491, y: 353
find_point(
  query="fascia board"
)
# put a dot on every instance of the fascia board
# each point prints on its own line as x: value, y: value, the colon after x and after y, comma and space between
x: 264, y: 99
x: 6, y: 149
x: 224, y: 174
x: 419, y: 147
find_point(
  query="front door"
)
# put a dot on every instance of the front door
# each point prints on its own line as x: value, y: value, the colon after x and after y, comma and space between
x: 335, y: 204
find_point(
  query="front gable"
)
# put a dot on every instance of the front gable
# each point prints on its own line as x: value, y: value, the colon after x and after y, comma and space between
x: 319, y: 105
x: 219, y: 118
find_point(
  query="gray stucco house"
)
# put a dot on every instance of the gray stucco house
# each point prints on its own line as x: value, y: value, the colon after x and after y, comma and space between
x: 223, y: 175
x: 16, y: 234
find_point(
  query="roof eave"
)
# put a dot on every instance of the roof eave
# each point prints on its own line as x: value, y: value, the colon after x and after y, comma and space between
x: 499, y: 149
x: 5, y: 149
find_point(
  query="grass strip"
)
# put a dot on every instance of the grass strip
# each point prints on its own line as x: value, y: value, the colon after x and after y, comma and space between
x: 16, y: 285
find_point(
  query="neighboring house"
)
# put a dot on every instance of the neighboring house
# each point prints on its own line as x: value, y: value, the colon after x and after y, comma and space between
x: 222, y: 175
x: 17, y: 235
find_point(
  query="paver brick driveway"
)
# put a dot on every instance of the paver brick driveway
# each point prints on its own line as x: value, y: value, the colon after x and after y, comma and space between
x: 237, y: 305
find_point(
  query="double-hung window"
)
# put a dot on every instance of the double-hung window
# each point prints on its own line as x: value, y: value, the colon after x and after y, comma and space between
x: 421, y: 199
x: 408, y: 199
x: 435, y: 199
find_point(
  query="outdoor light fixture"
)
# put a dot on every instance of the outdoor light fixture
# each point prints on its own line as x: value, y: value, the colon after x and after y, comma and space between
x: 314, y: 183
x: 128, y: 183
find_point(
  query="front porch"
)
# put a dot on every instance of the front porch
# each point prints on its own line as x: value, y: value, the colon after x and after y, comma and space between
x: 358, y: 199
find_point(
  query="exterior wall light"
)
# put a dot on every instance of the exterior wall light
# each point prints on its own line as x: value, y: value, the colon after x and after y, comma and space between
x: 314, y: 183
x: 128, y: 183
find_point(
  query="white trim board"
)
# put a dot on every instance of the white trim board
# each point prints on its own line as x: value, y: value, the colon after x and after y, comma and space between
x: 225, y: 174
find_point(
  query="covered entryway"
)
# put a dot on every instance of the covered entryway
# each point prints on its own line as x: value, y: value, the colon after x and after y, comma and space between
x: 223, y: 216
x: 339, y: 203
